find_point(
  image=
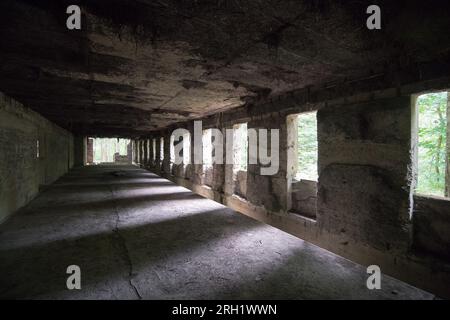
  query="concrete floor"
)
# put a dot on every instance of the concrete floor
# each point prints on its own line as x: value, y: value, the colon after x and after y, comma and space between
x: 136, y: 235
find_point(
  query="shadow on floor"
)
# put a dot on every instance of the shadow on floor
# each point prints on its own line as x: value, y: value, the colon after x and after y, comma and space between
x: 167, y: 243
x: 40, y: 269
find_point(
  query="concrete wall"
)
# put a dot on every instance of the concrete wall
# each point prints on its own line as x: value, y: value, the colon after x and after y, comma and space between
x: 364, y: 152
x: 270, y: 191
x: 22, y: 173
x: 431, y: 226
x: 240, y: 184
x: 360, y: 206
x: 304, y: 198
x: 80, y: 151
x: 89, y: 151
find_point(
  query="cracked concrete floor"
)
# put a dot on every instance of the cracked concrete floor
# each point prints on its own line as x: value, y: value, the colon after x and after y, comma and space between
x: 136, y: 235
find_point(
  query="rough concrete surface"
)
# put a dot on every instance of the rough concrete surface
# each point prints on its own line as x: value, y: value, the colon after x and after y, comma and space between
x: 150, y: 64
x: 34, y: 152
x: 136, y: 235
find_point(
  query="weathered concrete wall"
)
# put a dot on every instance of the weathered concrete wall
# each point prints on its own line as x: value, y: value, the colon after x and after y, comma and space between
x: 80, y: 151
x: 22, y: 172
x: 431, y: 226
x: 166, y: 160
x: 269, y: 191
x: 130, y: 152
x: 364, y: 152
x: 145, y: 150
x: 89, y: 151
x: 304, y: 198
x: 240, y: 184
x: 361, y: 207
x: 207, y: 176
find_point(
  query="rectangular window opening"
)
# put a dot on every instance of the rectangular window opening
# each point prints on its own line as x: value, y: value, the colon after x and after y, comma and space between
x: 207, y: 148
x: 154, y: 149
x: 307, y: 147
x: 303, y: 138
x: 172, y: 149
x: 240, y: 159
x: 240, y: 147
x: 110, y: 150
x: 433, y: 145
x: 187, y: 148
x: 161, y: 148
x: 207, y: 156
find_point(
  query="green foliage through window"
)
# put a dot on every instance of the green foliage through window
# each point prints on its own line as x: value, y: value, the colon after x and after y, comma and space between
x: 432, y: 112
x: 207, y: 148
x: 105, y: 148
x: 240, y: 146
x: 307, y: 146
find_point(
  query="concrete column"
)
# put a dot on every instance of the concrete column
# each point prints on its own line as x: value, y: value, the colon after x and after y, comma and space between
x: 219, y: 169
x: 89, y: 151
x: 291, y: 155
x: 149, y: 143
x: 130, y: 151
x: 136, y: 151
x: 145, y: 152
x: 197, y: 169
x: 133, y: 151
x: 228, y: 178
x: 141, y: 152
x: 158, y: 162
x: 364, y: 153
x: 79, y: 151
x: 166, y: 162
x: 150, y: 154
x: 269, y: 191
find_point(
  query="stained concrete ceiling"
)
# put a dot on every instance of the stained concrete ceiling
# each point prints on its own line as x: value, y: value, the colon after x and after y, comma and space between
x: 139, y: 66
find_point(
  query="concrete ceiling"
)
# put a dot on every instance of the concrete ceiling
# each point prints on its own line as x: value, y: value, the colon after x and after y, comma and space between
x: 139, y: 66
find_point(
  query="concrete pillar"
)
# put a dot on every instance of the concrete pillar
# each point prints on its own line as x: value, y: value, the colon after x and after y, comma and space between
x: 141, y: 152
x: 136, y: 151
x: 228, y: 188
x: 149, y: 163
x: 158, y: 162
x: 291, y: 155
x: 79, y: 151
x: 145, y: 152
x: 150, y: 153
x: 197, y: 169
x: 138, y: 156
x: 89, y: 151
x: 219, y: 169
x: 130, y: 152
x: 364, y: 153
x: 270, y: 191
x: 149, y: 144
x: 166, y: 162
